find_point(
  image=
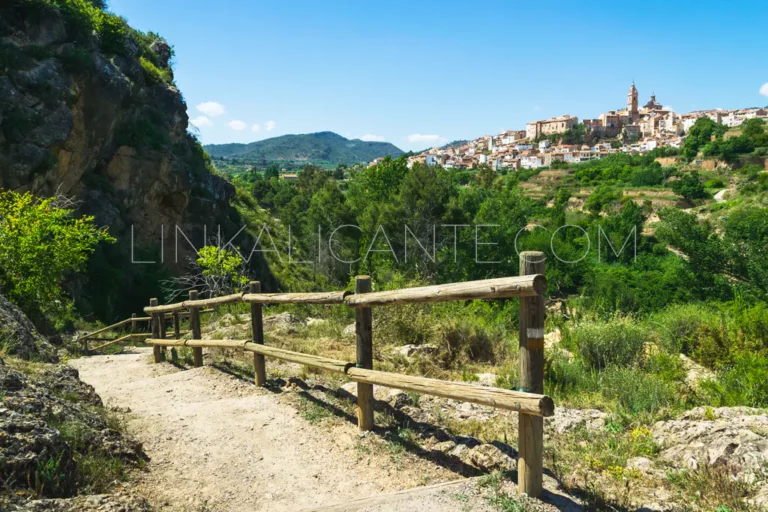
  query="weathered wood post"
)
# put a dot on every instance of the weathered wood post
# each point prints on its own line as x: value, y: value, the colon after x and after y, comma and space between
x: 176, y: 329
x: 531, y: 428
x: 257, y: 328
x: 156, y: 350
x: 163, y: 333
x: 364, y: 331
x: 133, y: 328
x: 176, y: 336
x: 194, y: 325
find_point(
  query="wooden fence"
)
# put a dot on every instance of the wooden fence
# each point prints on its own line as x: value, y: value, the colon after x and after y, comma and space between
x: 132, y: 335
x: 529, y: 402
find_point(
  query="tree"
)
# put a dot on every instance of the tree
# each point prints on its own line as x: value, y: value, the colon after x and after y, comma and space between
x: 602, y: 197
x: 701, y: 134
x: 215, y: 271
x: 272, y: 172
x: 486, y: 176
x: 690, y: 187
x: 42, y: 243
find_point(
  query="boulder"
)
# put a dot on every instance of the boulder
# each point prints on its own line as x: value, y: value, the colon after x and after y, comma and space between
x: 349, y: 331
x: 409, y: 351
x: 20, y: 338
x: 163, y: 52
x: 565, y: 420
x: 486, y: 379
x: 491, y: 458
x: 695, y: 373
x: 282, y: 322
x: 736, y: 437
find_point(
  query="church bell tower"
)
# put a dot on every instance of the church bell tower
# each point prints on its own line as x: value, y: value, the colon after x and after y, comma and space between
x: 632, y: 103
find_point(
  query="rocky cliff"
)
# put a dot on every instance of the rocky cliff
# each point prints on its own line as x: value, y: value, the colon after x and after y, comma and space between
x: 89, y: 109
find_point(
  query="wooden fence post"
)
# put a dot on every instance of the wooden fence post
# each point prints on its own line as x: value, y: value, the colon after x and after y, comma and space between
x: 531, y: 428
x: 194, y: 325
x: 257, y: 328
x: 163, y: 333
x: 176, y: 329
x: 133, y: 328
x: 157, y: 351
x: 364, y: 331
x: 176, y: 336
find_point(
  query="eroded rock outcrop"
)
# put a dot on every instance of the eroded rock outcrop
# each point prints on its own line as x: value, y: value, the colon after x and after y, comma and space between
x: 20, y: 338
x: 47, y: 416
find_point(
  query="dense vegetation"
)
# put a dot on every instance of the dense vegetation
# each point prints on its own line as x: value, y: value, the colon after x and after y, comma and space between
x: 621, y: 289
x: 323, y: 149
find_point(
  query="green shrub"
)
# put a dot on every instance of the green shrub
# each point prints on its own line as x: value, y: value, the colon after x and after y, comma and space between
x: 112, y: 31
x: 563, y: 377
x: 743, y: 383
x: 618, y: 341
x: 714, y: 183
x: 77, y: 60
x: 154, y: 74
x: 667, y: 367
x: 635, y: 390
x: 679, y: 326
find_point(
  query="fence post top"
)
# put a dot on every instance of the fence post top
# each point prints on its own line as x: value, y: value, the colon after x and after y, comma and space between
x: 153, y: 302
x: 254, y: 287
x: 362, y: 284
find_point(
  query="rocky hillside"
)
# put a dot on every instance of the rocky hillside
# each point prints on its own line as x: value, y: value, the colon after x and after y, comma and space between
x: 89, y: 109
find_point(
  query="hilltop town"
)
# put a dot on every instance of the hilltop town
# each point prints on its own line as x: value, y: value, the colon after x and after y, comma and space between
x: 564, y: 139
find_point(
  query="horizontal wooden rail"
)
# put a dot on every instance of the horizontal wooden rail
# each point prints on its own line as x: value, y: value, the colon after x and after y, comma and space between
x: 528, y: 403
x: 505, y: 287
x: 118, y: 340
x: 522, y: 286
x: 215, y: 301
x: 108, y: 328
x: 296, y: 298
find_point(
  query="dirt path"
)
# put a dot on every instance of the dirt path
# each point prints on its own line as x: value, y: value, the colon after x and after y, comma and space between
x: 218, y: 443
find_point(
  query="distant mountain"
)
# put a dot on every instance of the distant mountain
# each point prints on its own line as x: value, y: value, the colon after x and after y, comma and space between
x: 325, y: 149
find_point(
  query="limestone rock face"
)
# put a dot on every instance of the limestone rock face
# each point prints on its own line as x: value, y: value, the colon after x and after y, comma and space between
x: 104, y: 134
x: 732, y: 436
x: 566, y: 420
x: 20, y: 338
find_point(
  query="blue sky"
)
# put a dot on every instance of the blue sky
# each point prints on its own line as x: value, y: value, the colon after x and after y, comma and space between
x: 419, y: 73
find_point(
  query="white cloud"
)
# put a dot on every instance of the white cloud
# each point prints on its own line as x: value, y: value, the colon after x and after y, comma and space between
x: 764, y: 89
x: 201, y: 121
x: 270, y: 125
x: 369, y: 137
x: 238, y: 126
x: 211, y: 108
x: 255, y: 128
x: 669, y: 107
x: 417, y: 137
